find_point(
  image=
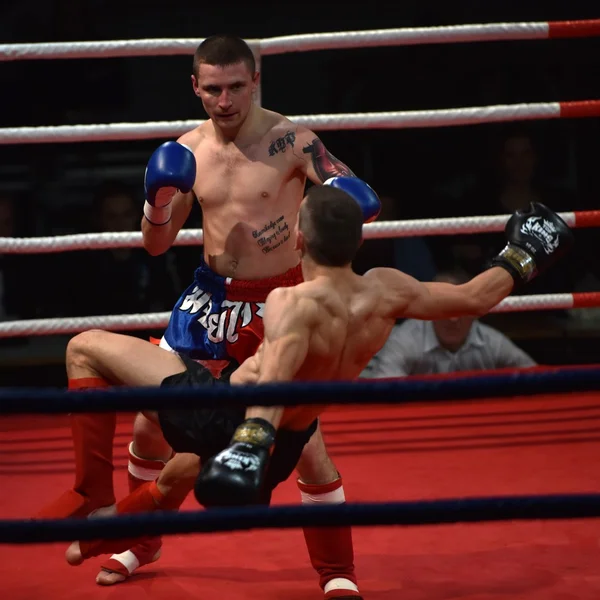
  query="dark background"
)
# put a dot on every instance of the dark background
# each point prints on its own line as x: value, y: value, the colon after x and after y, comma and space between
x: 54, y: 189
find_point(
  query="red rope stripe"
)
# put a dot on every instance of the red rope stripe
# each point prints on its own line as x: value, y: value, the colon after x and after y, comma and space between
x: 587, y: 218
x: 574, y: 29
x: 586, y: 300
x: 577, y: 110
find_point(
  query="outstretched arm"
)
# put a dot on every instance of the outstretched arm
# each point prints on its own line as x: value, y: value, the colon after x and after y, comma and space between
x: 536, y: 239
x: 405, y: 297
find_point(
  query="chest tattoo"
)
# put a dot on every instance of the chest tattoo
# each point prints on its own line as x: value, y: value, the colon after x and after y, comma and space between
x: 281, y: 143
x: 272, y: 235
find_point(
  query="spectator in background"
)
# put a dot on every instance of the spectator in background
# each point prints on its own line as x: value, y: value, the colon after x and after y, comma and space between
x: 519, y: 179
x: 448, y: 346
x: 514, y: 183
x: 123, y: 280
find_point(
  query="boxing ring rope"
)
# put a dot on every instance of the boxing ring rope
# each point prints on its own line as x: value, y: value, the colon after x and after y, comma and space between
x: 133, y: 322
x: 385, y: 229
x: 411, y: 389
x: 328, y: 122
x: 431, y: 512
x: 489, y: 32
x: 193, y: 237
x: 484, y: 385
x: 527, y: 382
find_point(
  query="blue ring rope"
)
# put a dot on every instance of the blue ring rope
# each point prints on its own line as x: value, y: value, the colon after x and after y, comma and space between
x: 434, y: 512
x: 520, y: 383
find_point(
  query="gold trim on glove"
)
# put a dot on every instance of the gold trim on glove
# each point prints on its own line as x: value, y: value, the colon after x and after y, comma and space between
x: 253, y: 433
x: 522, y: 262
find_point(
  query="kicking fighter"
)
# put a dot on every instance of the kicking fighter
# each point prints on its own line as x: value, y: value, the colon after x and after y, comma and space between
x: 247, y: 168
x: 327, y: 328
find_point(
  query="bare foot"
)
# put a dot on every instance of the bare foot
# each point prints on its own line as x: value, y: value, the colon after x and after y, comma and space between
x: 121, y: 566
x: 73, y: 554
x: 109, y: 577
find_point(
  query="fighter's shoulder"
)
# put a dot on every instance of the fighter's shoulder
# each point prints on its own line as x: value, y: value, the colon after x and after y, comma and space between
x: 388, y: 276
x: 390, y: 285
x: 301, y: 298
x: 282, y: 125
x: 192, y: 139
x: 288, y: 295
x: 379, y: 275
x: 277, y: 295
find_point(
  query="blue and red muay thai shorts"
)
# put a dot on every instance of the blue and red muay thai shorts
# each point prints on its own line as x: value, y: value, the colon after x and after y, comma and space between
x: 218, y: 318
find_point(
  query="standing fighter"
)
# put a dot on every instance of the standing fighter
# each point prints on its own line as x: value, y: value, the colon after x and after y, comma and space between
x: 327, y: 328
x: 247, y: 167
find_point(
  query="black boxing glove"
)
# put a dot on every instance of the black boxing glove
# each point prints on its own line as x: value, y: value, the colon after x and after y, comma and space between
x: 537, y: 239
x: 235, y: 476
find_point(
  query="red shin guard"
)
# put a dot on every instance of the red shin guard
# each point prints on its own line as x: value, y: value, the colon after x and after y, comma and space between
x: 330, y: 548
x: 146, y: 498
x: 93, y: 435
x: 139, y: 472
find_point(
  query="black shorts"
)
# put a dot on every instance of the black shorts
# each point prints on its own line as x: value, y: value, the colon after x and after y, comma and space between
x: 207, y: 431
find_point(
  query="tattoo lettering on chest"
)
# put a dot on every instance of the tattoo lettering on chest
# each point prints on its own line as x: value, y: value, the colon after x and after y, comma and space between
x: 325, y: 164
x: 281, y: 144
x: 272, y: 235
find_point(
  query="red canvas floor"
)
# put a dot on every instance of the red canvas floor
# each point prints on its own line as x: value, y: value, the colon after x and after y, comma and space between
x: 513, y: 446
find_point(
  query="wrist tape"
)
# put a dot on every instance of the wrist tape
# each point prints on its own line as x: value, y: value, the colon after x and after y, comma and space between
x: 521, y: 263
x: 157, y: 215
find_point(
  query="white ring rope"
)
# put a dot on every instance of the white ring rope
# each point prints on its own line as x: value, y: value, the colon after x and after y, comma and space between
x: 160, y: 319
x: 489, y: 32
x: 89, y: 241
x: 327, y: 122
x: 193, y: 237
x: 408, y: 36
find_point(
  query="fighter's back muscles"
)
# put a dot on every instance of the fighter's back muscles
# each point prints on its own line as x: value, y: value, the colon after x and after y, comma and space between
x: 406, y: 297
x: 289, y: 319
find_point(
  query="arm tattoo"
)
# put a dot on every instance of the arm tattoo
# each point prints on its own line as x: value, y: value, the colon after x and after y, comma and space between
x: 325, y: 164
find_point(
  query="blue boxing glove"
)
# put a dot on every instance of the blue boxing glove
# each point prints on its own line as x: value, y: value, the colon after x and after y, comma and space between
x: 171, y: 167
x: 362, y: 192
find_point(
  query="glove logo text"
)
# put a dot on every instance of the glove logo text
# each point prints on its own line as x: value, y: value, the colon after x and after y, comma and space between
x: 238, y: 461
x: 542, y: 230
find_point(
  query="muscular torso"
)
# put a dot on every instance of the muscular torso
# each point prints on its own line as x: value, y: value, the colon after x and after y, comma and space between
x: 249, y: 192
x: 349, y: 329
